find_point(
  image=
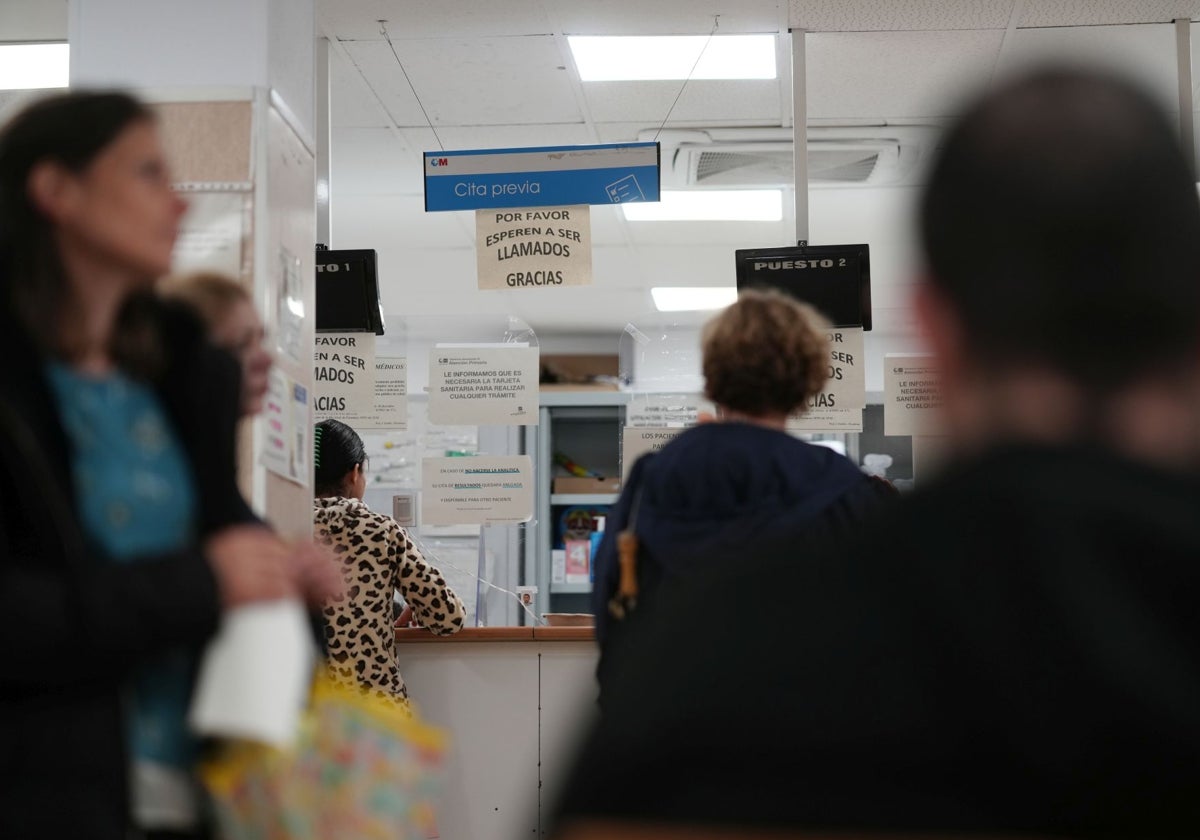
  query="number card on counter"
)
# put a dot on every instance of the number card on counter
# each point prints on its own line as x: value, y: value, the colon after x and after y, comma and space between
x: 390, y: 409
x: 483, y: 385
x: 912, y: 396
x: 343, y: 373
x: 637, y: 441
x: 534, y: 248
x: 477, y: 491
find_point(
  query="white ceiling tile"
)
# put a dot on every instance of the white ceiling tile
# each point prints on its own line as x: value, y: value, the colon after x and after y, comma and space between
x: 702, y: 101
x: 463, y: 81
x: 350, y: 100
x: 375, y: 62
x: 397, y: 222
x: 896, y: 74
x: 897, y: 15
x: 608, y: 226
x: 622, y: 132
x: 444, y: 19
x: 33, y: 20
x: 1097, y: 12
x: 637, y: 17
x: 732, y: 234
x: 1144, y: 53
x: 506, y: 136
x: 367, y: 161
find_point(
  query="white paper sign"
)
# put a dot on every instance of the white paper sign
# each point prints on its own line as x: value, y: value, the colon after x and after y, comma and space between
x: 343, y: 373
x: 483, y: 386
x: 827, y: 420
x: 285, y: 428
x: 534, y: 248
x: 210, y: 234
x: 477, y: 491
x: 289, y: 305
x: 637, y: 441
x: 391, y: 398
x: 666, y: 410
x: 912, y: 396
x: 847, y: 385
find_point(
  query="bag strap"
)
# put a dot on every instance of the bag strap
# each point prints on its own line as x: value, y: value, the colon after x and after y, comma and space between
x: 624, y: 600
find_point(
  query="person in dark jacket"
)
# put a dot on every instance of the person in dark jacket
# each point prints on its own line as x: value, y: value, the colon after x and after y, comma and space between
x: 1013, y: 649
x: 122, y: 532
x: 721, y: 488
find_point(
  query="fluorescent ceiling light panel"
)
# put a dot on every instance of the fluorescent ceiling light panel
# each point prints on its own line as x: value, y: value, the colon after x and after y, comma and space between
x: 24, y: 66
x: 687, y: 298
x: 708, y: 206
x: 606, y: 58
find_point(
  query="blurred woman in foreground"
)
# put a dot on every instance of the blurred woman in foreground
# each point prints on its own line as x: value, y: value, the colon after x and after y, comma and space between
x: 122, y: 534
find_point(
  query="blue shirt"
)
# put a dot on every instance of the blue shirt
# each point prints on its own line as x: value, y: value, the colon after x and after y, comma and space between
x: 135, y: 495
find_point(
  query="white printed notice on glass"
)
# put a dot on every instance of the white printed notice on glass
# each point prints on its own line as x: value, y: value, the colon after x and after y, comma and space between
x: 343, y: 373
x: 483, y: 385
x: 476, y: 491
x: 533, y: 249
x: 912, y: 400
x: 390, y: 408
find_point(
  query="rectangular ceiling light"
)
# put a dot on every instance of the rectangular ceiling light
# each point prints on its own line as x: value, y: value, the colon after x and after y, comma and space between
x: 26, y: 66
x: 689, y: 298
x: 608, y: 58
x: 708, y: 206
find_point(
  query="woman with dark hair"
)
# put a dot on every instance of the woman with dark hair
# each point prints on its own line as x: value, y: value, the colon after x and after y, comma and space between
x: 378, y: 560
x: 122, y: 532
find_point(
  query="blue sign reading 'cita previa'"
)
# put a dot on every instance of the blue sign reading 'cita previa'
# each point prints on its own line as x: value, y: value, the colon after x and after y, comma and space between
x: 551, y: 176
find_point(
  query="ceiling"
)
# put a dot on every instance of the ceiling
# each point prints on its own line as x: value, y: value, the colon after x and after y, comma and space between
x: 500, y: 74
x: 482, y: 74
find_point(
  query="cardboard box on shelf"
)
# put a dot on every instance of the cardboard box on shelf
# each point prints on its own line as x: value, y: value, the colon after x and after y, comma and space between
x: 579, y: 371
x: 574, y: 484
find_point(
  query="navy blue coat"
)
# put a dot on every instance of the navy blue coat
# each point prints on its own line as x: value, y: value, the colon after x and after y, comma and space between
x: 714, y: 493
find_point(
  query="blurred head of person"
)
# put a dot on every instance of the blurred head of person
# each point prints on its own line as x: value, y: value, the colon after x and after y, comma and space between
x: 87, y: 213
x: 1061, y: 234
x: 339, y: 460
x: 233, y: 324
x: 764, y: 357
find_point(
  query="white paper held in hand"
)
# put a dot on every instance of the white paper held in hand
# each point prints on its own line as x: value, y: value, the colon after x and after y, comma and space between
x: 255, y: 675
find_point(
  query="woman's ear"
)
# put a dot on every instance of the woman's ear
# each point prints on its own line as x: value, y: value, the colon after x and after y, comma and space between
x: 51, y: 190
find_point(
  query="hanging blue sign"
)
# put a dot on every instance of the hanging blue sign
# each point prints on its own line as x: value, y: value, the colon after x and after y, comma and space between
x: 551, y: 176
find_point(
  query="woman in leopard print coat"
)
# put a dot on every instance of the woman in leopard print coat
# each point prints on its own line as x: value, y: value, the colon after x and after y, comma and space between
x: 378, y: 560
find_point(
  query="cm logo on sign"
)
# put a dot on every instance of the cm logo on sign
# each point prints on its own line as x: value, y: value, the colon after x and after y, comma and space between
x: 439, y: 162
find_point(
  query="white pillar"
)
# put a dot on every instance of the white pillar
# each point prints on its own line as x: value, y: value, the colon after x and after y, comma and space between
x: 234, y: 84
x: 800, y: 132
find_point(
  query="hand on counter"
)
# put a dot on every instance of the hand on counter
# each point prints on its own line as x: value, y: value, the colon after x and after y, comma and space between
x: 405, y: 619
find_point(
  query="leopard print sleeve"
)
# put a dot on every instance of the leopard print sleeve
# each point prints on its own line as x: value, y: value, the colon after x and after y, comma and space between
x: 434, y: 604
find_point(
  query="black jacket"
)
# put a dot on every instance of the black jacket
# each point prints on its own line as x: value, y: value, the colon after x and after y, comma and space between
x: 75, y: 623
x: 1013, y: 649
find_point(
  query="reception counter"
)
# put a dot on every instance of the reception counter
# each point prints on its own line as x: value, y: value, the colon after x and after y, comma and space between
x: 514, y: 700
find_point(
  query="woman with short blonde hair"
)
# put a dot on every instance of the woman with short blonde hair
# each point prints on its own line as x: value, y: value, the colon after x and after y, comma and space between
x: 720, y: 491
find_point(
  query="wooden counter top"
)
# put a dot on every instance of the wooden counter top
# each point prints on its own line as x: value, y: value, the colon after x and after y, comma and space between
x: 409, y: 635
